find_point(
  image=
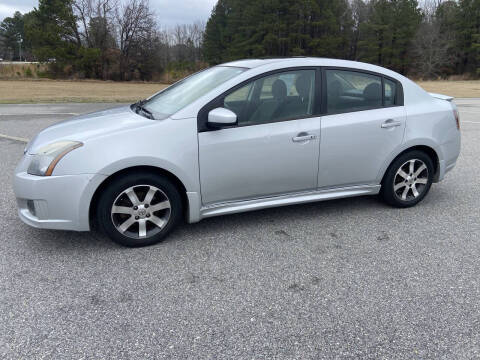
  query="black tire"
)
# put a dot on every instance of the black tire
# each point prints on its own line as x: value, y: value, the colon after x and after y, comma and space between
x: 141, y: 182
x: 395, y: 185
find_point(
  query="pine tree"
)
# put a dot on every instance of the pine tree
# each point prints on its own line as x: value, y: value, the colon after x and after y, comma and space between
x: 251, y: 28
x: 52, y: 30
x: 387, y: 35
x: 12, y: 34
x: 214, y: 42
x: 468, y: 31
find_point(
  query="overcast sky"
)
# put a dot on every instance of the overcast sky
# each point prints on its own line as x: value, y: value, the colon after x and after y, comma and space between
x: 169, y: 12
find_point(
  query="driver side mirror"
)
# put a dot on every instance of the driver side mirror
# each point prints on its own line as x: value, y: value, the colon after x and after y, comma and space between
x: 220, y: 117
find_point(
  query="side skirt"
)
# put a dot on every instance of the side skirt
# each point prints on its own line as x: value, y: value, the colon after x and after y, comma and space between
x: 289, y: 199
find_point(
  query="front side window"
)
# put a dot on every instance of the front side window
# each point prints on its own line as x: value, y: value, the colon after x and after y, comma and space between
x: 186, y: 91
x: 282, y: 96
x: 352, y: 91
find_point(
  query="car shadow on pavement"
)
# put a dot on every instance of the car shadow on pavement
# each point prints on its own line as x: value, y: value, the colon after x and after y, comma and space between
x: 71, y: 241
x: 282, y: 216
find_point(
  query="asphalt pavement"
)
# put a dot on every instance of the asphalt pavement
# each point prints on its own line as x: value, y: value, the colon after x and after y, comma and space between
x: 343, y: 279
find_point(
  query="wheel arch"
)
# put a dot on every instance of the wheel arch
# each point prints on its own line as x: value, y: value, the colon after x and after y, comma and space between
x: 142, y: 168
x: 424, y: 148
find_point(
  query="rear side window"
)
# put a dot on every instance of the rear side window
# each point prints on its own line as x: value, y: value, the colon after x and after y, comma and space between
x: 390, y: 92
x: 352, y: 91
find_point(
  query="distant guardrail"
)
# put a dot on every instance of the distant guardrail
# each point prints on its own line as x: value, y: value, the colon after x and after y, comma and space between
x: 18, y: 62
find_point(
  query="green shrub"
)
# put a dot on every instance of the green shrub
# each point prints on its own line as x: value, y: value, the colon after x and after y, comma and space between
x: 43, y: 74
x: 28, y: 72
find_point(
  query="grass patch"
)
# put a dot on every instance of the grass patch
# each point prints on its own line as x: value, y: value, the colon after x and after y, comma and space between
x: 58, y: 91
x: 455, y: 88
x: 22, y: 70
x: 55, y: 91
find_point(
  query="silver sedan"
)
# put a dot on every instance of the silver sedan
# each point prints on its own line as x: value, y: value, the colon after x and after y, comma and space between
x: 241, y: 136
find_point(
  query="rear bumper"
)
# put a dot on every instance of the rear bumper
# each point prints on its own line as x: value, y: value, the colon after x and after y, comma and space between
x: 55, y: 202
x: 451, y: 152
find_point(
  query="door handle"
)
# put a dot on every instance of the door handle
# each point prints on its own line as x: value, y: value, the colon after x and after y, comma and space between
x: 390, y: 123
x: 303, y: 137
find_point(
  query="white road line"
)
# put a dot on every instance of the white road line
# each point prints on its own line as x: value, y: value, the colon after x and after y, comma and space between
x: 470, y: 122
x: 16, y: 138
x: 40, y: 114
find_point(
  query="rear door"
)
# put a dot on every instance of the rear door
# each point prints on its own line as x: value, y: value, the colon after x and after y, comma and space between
x: 364, y: 122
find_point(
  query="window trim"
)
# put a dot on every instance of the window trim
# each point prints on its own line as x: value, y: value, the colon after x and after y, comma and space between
x: 399, y: 100
x: 202, y: 116
x: 320, y: 98
x: 398, y: 92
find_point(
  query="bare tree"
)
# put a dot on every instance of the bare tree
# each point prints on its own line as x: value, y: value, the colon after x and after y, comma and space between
x: 135, y: 24
x: 186, y: 41
x: 359, y: 14
x: 83, y: 10
x: 130, y: 42
x: 430, y: 7
x: 431, y: 47
x: 431, y: 50
x: 101, y: 26
x: 195, y: 33
x: 91, y: 14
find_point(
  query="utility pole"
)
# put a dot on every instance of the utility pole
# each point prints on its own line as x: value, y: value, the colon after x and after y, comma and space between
x: 20, y: 48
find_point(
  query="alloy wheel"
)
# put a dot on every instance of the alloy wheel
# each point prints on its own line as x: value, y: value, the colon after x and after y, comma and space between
x: 410, y: 180
x: 141, y: 211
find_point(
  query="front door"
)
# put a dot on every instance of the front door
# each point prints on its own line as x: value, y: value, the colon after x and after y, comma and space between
x: 274, y: 148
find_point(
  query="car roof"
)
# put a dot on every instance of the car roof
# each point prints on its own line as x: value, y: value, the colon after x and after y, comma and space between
x: 309, y: 61
x: 298, y: 61
x: 252, y: 63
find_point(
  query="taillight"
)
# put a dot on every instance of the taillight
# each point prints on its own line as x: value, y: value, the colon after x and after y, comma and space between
x: 457, y: 118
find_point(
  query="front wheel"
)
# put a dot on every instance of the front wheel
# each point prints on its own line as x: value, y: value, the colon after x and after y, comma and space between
x: 408, y: 179
x: 139, y: 209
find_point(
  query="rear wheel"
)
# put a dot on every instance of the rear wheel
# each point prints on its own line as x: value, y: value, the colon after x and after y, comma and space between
x: 139, y: 209
x: 408, y: 179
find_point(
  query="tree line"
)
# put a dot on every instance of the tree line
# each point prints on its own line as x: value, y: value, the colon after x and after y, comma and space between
x: 121, y: 40
x: 103, y: 39
x: 440, y: 38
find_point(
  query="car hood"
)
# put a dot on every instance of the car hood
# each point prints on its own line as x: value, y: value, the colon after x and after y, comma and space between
x: 88, y: 126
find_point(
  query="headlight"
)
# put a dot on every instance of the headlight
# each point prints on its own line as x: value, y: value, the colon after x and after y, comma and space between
x: 47, y: 157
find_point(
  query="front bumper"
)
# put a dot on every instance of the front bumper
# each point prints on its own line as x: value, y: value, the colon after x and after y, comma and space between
x: 55, y: 202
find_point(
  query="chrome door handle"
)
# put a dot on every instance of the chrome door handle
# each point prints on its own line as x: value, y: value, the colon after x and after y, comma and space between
x: 390, y: 123
x: 303, y: 137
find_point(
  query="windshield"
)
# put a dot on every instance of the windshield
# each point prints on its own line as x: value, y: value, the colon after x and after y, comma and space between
x: 186, y: 91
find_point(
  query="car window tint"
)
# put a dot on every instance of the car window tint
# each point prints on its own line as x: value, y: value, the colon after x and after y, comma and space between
x: 266, y: 87
x: 390, y: 92
x: 352, y: 91
x: 239, y: 95
x: 282, y: 96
